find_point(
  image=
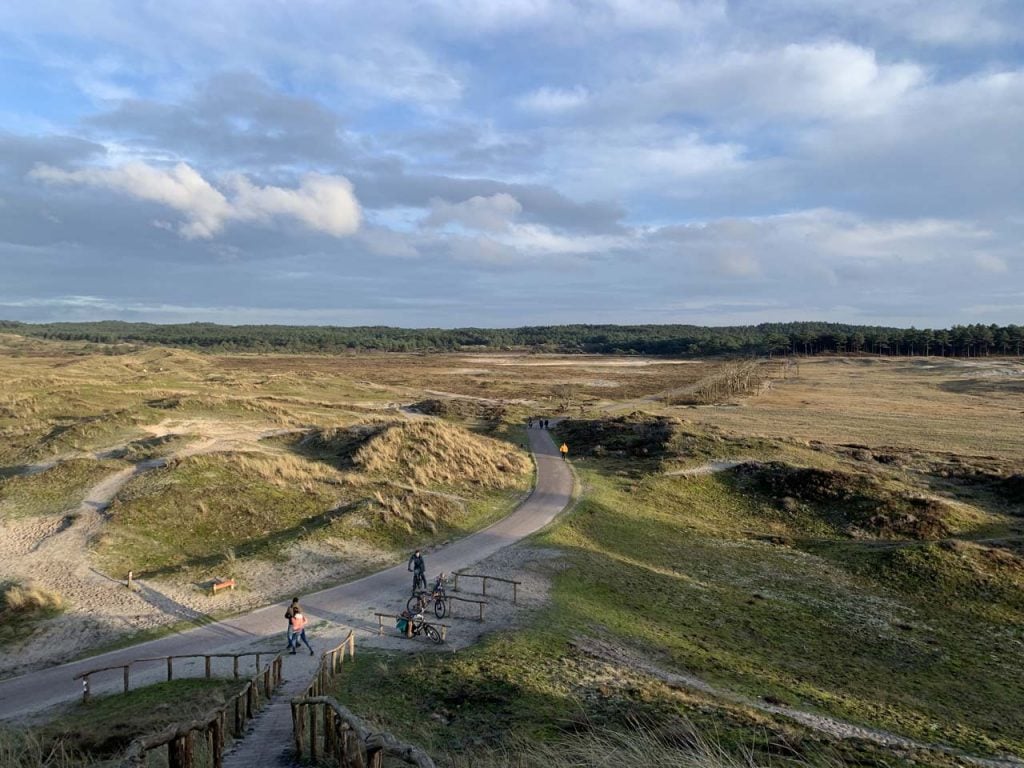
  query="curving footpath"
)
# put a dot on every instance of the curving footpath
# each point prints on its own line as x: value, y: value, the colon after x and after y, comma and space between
x: 350, y: 604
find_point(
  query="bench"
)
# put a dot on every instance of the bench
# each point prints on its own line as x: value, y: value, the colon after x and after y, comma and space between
x: 222, y: 584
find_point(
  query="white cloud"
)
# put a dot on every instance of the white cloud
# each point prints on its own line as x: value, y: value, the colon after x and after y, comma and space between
x: 492, y: 214
x: 323, y: 203
x: 989, y: 262
x: 548, y: 100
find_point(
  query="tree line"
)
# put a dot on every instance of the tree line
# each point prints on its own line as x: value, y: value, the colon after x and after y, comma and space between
x: 804, y: 338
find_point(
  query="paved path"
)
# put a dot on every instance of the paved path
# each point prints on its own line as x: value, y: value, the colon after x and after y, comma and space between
x: 347, y: 605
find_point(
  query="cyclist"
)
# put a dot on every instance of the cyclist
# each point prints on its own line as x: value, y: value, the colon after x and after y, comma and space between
x: 419, y: 570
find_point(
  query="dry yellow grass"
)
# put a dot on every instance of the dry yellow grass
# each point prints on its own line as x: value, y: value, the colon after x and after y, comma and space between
x: 934, y: 405
x: 18, y: 599
x: 430, y: 453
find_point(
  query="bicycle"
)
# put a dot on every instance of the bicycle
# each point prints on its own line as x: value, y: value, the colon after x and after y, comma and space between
x: 420, y: 626
x: 422, y: 599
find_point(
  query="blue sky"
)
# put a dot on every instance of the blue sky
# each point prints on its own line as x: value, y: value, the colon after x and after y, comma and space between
x: 507, y: 163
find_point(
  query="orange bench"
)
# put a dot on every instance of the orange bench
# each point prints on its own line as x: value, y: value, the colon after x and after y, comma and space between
x: 225, y: 584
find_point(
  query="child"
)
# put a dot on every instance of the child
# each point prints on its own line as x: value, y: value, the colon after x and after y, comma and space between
x: 299, y: 623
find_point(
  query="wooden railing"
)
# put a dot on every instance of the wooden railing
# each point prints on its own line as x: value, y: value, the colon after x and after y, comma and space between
x: 325, y: 731
x: 200, y: 743
x: 86, y: 677
x: 515, y: 584
x: 330, y: 665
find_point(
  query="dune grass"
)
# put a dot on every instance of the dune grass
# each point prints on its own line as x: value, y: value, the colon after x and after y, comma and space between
x: 58, y: 489
x: 95, y: 732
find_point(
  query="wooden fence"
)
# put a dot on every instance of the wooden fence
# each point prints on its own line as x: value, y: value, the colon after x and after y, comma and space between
x: 86, y: 677
x: 326, y: 732
x: 200, y: 743
x: 485, y: 577
x: 408, y: 626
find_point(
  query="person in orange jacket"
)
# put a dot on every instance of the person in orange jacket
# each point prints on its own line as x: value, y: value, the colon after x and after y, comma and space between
x: 299, y: 622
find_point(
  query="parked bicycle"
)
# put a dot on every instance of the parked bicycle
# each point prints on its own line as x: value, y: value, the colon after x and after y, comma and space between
x: 437, y: 595
x: 420, y: 626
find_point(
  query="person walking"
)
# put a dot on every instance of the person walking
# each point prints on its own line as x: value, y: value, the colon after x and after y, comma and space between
x: 299, y: 623
x: 564, y: 450
x: 288, y: 617
x: 419, y: 571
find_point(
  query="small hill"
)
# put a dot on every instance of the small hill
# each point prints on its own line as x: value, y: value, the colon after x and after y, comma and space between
x: 432, y: 453
x: 854, y: 504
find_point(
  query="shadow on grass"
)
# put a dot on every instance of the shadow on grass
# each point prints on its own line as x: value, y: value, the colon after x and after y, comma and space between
x: 273, y: 542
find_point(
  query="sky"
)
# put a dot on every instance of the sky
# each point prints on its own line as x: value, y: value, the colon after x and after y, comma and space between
x: 477, y: 163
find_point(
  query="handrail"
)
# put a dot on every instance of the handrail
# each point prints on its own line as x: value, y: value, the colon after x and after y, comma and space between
x: 180, y: 738
x: 515, y: 584
x: 85, y: 676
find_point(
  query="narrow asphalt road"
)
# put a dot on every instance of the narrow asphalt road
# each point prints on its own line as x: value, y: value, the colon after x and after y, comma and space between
x: 350, y: 604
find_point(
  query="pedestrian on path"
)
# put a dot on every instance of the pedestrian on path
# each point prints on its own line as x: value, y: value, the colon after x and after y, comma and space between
x: 299, y: 622
x: 564, y: 450
x: 419, y: 571
x: 288, y: 617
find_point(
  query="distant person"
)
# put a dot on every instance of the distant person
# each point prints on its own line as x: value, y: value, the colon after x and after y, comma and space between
x: 288, y: 617
x: 564, y: 450
x: 419, y: 571
x: 545, y: 423
x: 299, y: 622
x: 529, y: 423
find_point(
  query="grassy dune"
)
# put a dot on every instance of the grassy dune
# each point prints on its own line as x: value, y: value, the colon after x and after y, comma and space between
x: 58, y: 489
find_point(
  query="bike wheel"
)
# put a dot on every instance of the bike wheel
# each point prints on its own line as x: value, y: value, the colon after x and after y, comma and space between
x: 414, y: 604
x: 433, y: 634
x: 440, y: 608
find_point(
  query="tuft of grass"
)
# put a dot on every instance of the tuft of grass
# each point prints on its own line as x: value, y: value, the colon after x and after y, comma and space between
x: 22, y: 605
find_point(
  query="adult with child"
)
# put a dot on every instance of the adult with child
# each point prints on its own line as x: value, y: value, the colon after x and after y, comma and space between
x: 288, y: 617
x: 299, y: 623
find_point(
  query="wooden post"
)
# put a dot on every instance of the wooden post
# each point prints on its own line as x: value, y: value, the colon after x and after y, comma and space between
x: 480, y: 605
x: 258, y: 661
x: 235, y: 669
x: 176, y: 753
x: 170, y: 668
x: 514, y: 595
x: 250, y: 701
x: 455, y: 586
x: 444, y: 633
x: 380, y: 624
x: 190, y: 748
x: 126, y: 668
x: 296, y: 726
x: 375, y: 758
x: 217, y: 733
x: 207, y: 666
x: 131, y: 586
x: 314, y: 750
x: 351, y: 645
x: 239, y: 726
x: 85, y: 689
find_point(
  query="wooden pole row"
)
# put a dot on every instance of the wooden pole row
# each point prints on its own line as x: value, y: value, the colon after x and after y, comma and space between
x: 325, y: 730
x: 185, y: 741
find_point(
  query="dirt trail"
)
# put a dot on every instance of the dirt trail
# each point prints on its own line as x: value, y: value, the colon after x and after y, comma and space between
x: 830, y: 726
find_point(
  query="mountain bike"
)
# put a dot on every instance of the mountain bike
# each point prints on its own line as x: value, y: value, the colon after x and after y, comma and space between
x: 422, y: 599
x: 420, y: 626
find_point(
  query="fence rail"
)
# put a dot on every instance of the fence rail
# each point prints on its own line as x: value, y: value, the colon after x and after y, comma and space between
x: 86, y: 677
x: 487, y: 577
x: 201, y: 742
x: 325, y: 731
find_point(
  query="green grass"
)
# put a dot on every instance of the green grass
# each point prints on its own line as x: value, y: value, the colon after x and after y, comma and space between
x: 101, y: 729
x: 205, y: 509
x: 58, y: 489
x: 671, y: 567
